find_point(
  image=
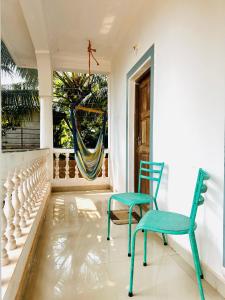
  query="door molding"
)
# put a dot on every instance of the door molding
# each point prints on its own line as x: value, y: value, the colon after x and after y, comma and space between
x: 144, y: 63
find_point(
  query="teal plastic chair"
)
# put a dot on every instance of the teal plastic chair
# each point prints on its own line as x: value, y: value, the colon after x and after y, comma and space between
x: 173, y: 223
x: 154, y: 173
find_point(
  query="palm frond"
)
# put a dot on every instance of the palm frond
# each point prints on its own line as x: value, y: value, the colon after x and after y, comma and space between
x: 29, y: 75
x: 7, y: 63
x: 18, y: 105
x: 9, y: 66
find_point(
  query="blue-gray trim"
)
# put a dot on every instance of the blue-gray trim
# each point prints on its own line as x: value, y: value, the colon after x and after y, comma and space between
x: 149, y: 54
x: 224, y: 210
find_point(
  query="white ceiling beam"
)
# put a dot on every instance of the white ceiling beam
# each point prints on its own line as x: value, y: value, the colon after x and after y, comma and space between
x: 77, y: 63
x: 35, y: 20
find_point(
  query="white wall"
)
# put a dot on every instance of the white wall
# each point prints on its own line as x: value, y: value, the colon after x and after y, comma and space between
x: 189, y: 88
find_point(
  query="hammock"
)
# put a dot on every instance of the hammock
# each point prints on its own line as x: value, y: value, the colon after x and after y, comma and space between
x: 89, y: 162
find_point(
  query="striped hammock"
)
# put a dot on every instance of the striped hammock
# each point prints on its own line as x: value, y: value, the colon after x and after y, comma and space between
x: 89, y: 162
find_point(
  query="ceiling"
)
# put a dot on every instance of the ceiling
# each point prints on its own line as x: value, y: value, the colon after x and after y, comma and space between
x: 64, y: 27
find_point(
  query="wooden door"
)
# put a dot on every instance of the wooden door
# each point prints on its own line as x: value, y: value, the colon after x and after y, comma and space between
x: 142, y: 127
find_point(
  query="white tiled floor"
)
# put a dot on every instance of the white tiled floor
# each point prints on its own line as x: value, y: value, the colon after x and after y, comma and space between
x: 75, y: 261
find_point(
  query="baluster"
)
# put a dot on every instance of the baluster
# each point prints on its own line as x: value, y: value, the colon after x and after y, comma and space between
x: 10, y: 213
x: 103, y: 166
x: 42, y: 178
x: 16, y: 202
x: 76, y: 170
x: 57, y: 165
x: 35, y: 168
x: 33, y: 183
x: 22, y: 200
x: 27, y: 206
x: 33, y: 199
x: 4, y: 240
x: 30, y: 201
x: 31, y: 188
x: 38, y: 180
x: 67, y: 167
x: 45, y: 170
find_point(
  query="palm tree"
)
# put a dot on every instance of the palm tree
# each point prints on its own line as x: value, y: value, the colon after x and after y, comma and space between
x: 18, y: 100
x: 78, y: 89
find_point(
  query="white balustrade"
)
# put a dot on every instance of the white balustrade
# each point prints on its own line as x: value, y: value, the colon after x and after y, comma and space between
x: 4, y: 240
x: 57, y: 165
x: 16, y: 202
x: 24, y: 188
x: 30, y: 188
x: 22, y: 199
x: 67, y: 168
x: 76, y: 171
x: 103, y: 167
x: 68, y: 180
x: 27, y: 205
x: 10, y: 213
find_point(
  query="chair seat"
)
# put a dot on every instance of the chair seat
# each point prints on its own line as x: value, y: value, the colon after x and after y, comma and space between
x: 133, y: 198
x: 165, y: 222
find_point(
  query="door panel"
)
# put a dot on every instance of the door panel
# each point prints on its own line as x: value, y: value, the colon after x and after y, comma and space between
x: 142, y: 127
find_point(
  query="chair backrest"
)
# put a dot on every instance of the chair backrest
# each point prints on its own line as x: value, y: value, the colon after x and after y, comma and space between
x: 151, y: 171
x: 198, y: 200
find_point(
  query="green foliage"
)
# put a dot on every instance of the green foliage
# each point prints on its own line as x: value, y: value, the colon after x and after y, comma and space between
x: 18, y: 104
x: 75, y: 89
x: 18, y: 100
x: 70, y: 88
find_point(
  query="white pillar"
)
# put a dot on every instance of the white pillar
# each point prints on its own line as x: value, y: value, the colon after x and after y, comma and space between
x: 45, y: 78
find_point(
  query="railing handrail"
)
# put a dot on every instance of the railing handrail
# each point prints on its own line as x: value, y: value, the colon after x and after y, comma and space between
x: 17, y: 159
x: 71, y: 150
x: 24, y: 188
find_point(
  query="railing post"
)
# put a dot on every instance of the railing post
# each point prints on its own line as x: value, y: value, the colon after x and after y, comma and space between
x: 16, y: 202
x: 30, y: 188
x: 76, y: 170
x: 22, y: 200
x: 35, y: 180
x: 103, y: 166
x: 67, y: 167
x: 10, y: 213
x: 57, y: 165
x: 27, y: 199
x: 4, y: 240
x: 39, y: 179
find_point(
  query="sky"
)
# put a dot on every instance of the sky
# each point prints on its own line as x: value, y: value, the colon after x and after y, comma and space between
x: 7, y: 79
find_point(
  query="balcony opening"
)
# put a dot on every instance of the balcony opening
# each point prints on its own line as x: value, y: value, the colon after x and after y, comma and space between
x: 89, y: 94
x: 20, y: 105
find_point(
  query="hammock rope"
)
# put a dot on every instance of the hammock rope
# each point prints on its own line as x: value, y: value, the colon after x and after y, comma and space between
x: 89, y: 162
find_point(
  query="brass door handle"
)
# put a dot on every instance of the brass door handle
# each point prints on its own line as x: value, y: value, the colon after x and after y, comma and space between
x: 139, y: 141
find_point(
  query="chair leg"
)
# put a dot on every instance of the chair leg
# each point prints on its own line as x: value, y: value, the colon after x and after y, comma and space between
x: 163, y: 235
x: 109, y: 212
x: 145, y: 248
x: 196, y: 263
x: 140, y: 211
x: 197, y: 255
x: 164, y: 239
x: 130, y: 294
x: 129, y: 230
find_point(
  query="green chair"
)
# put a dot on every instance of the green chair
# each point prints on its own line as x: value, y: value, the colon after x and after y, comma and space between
x: 151, y: 171
x: 173, y: 223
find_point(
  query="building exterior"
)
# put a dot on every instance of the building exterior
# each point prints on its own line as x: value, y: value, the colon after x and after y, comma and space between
x: 182, y: 44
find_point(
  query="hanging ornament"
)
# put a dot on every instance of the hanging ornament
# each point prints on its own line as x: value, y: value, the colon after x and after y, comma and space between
x: 91, y: 55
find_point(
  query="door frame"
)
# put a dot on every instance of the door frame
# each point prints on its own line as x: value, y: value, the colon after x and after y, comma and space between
x: 144, y: 63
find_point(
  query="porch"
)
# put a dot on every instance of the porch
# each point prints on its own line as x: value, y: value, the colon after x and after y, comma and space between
x: 74, y: 260
x: 53, y: 220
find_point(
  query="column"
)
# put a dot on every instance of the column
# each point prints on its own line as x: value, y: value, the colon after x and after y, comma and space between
x: 45, y: 77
